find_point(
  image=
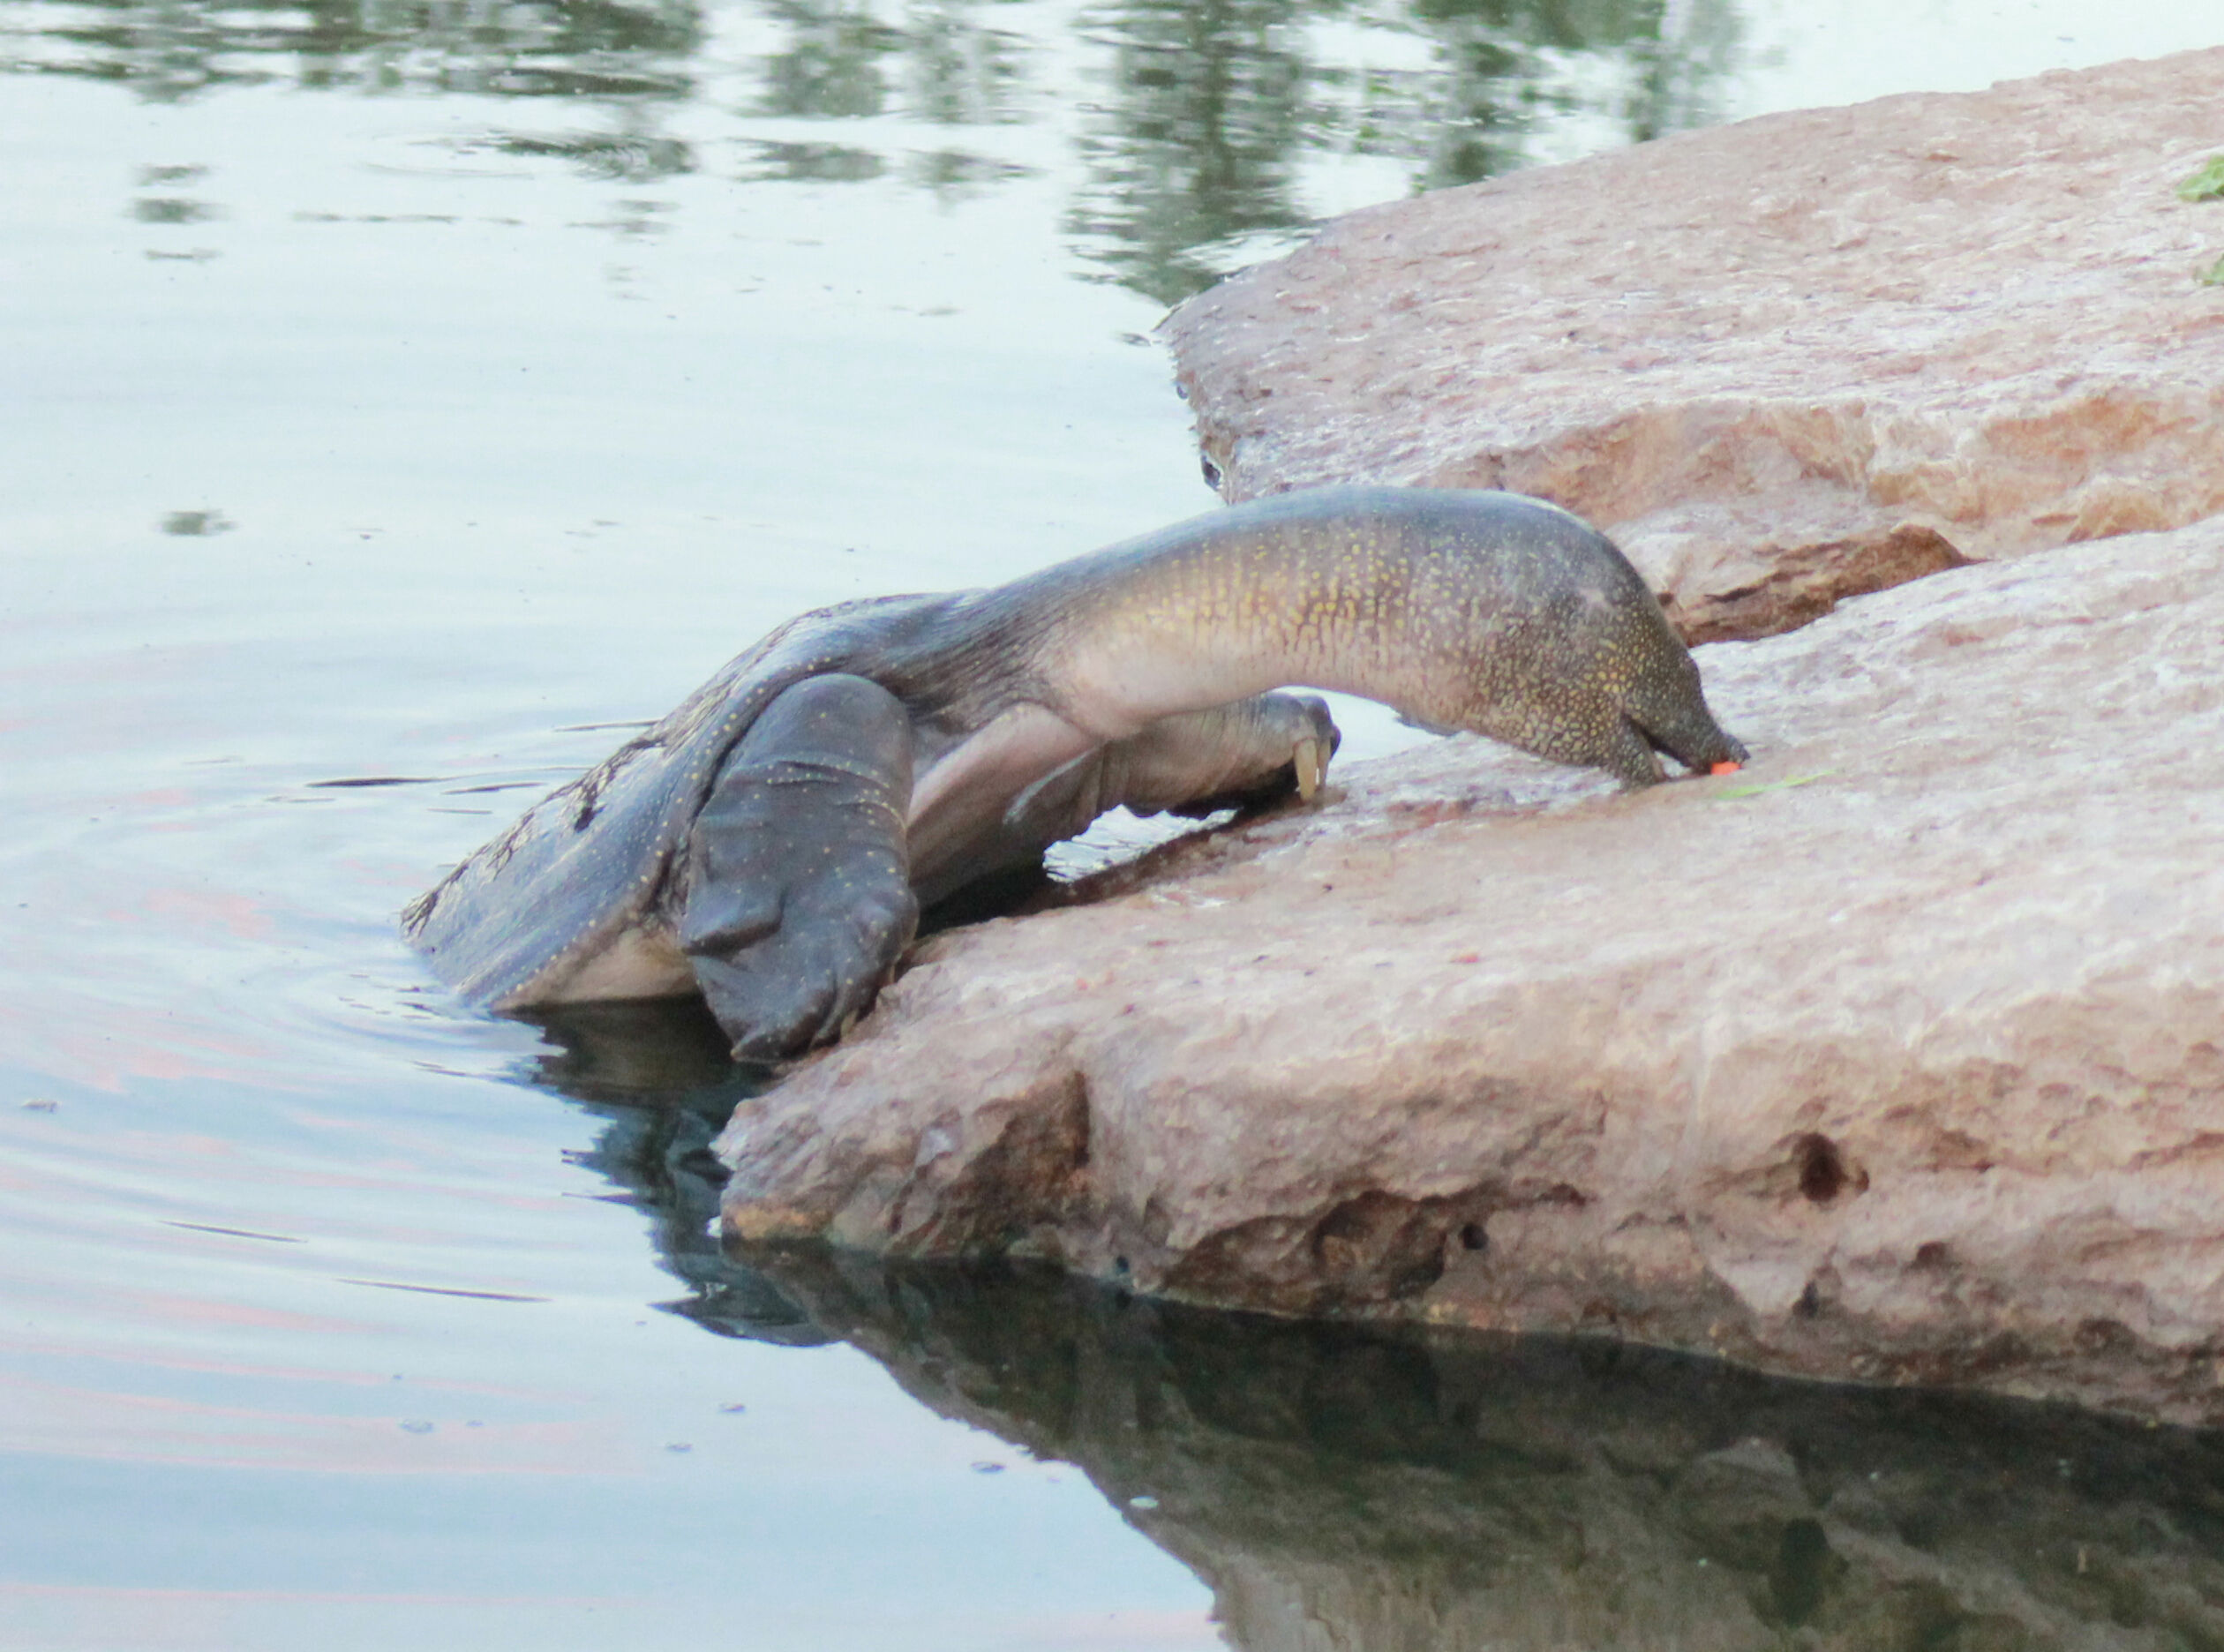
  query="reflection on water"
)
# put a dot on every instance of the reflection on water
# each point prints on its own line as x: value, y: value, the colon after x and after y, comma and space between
x: 1513, y: 67
x: 959, y: 70
x: 1201, y: 123
x: 832, y: 68
x: 1198, y: 144
x: 196, y: 524
x: 1197, y: 158
x: 620, y: 157
x: 656, y: 1074
x: 1349, y: 1488
x: 171, y: 50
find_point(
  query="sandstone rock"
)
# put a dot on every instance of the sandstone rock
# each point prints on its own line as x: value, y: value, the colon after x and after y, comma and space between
x: 1347, y: 1489
x: 1897, y: 1056
x: 1782, y: 362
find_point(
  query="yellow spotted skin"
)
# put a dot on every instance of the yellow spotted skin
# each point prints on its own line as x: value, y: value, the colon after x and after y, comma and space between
x: 1464, y: 610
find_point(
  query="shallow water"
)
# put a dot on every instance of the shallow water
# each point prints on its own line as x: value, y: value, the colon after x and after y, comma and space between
x: 399, y: 397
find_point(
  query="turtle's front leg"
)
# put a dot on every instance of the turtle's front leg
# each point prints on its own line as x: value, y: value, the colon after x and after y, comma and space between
x: 797, y: 897
x: 1238, y: 755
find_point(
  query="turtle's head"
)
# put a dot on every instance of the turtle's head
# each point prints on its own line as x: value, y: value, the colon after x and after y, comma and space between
x: 1592, y: 674
x: 1666, y: 702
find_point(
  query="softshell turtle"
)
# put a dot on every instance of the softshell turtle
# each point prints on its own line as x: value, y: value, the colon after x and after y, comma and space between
x: 768, y: 842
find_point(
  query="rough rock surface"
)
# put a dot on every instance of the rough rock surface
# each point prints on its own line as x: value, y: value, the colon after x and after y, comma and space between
x: 1349, y: 1490
x: 1782, y: 362
x: 1897, y: 1056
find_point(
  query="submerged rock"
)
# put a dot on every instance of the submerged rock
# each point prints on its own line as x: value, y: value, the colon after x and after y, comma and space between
x: 1781, y: 362
x: 1895, y: 1056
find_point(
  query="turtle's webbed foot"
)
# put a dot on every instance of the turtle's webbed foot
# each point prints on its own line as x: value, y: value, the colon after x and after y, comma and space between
x: 798, y: 898
x: 807, y: 981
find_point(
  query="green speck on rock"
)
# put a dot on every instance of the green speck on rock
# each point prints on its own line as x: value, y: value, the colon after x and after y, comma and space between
x: 1730, y: 794
x: 2214, y: 275
x: 2205, y: 184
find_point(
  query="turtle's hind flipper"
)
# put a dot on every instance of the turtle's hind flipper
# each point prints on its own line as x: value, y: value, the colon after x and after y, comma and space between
x: 797, y: 900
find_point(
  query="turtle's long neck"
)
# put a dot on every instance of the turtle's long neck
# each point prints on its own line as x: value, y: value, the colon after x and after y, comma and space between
x: 1314, y: 588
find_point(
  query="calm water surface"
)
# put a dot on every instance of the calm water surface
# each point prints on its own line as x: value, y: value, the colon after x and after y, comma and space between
x: 397, y: 397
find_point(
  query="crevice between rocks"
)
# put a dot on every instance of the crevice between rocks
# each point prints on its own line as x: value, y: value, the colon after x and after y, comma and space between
x: 1807, y: 581
x: 1371, y: 1249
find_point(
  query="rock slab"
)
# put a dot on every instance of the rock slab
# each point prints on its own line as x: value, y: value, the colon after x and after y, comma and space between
x: 1897, y: 1056
x: 1782, y: 362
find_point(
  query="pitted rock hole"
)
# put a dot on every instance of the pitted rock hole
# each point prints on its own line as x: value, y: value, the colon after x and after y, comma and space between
x: 1823, y: 1171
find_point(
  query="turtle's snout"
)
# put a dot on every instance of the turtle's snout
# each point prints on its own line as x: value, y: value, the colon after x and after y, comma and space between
x: 1670, y: 710
x: 1729, y: 757
x: 1716, y: 753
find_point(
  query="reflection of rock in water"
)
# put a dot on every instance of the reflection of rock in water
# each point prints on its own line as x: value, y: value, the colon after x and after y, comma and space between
x: 657, y: 1073
x: 1374, y: 1490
